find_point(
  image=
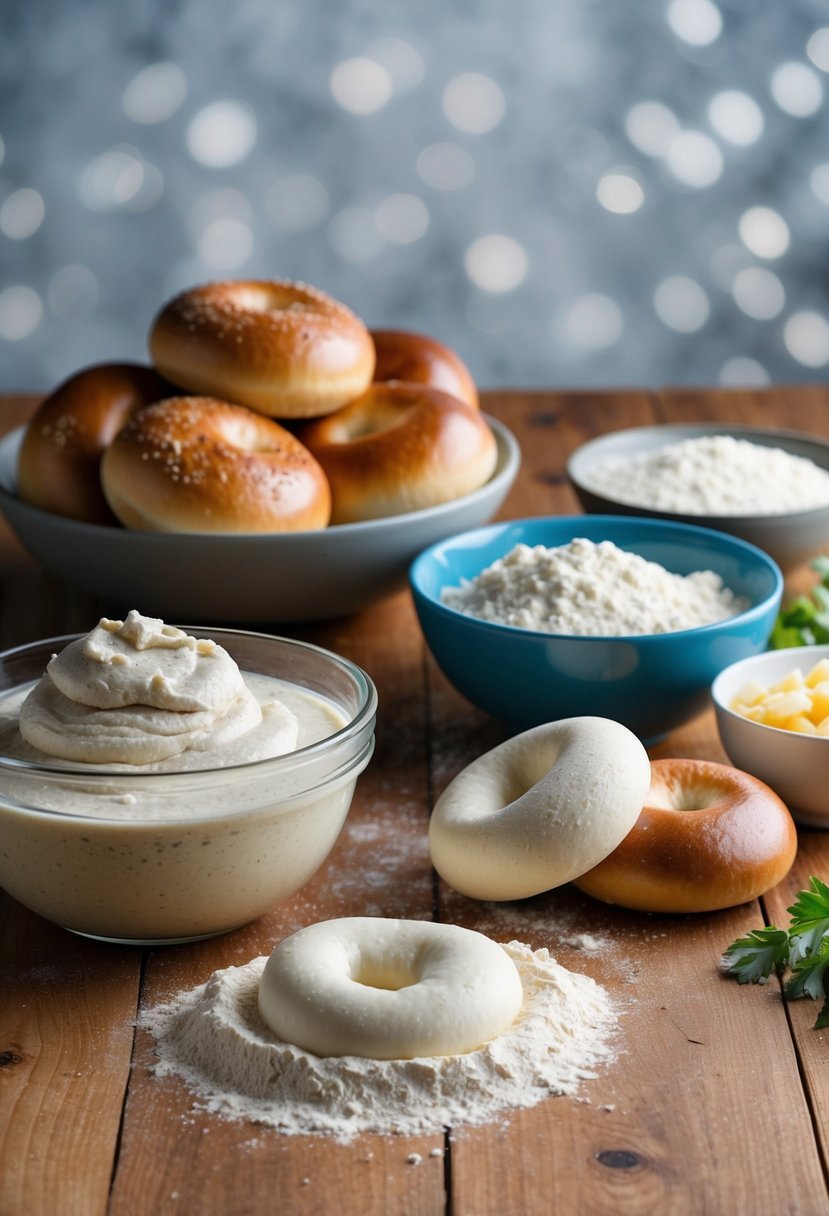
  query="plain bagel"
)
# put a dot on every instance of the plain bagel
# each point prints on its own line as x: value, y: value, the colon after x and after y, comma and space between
x: 539, y: 809
x: 419, y: 359
x: 709, y: 836
x: 63, y: 442
x: 283, y: 348
x: 388, y: 989
x: 401, y: 447
x: 191, y: 464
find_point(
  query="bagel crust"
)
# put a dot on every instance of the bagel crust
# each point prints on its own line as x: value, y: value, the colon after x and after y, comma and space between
x: 58, y: 467
x: 389, y: 989
x: 709, y: 836
x: 419, y: 359
x: 401, y: 447
x: 539, y: 809
x: 191, y: 464
x: 283, y: 348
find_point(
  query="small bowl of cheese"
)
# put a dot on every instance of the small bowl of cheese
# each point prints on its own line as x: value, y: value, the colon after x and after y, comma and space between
x: 773, y: 717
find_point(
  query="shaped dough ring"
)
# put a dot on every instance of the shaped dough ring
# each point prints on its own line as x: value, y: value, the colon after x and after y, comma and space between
x: 388, y: 989
x: 539, y: 809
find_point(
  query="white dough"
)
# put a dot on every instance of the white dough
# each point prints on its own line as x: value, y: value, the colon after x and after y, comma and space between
x: 138, y: 691
x: 540, y: 809
x: 389, y: 989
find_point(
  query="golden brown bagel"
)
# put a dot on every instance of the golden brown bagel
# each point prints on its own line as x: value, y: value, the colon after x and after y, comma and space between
x: 419, y: 359
x: 282, y: 348
x: 400, y: 447
x: 62, y: 445
x: 192, y: 464
x: 708, y: 837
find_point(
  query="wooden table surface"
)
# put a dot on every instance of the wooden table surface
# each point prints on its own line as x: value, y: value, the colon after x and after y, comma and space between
x: 718, y: 1102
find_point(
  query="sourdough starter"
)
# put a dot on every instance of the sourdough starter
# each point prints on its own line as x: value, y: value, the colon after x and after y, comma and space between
x: 146, y: 847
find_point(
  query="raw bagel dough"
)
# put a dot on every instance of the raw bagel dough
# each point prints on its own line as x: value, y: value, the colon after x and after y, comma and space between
x: 389, y: 989
x: 540, y: 809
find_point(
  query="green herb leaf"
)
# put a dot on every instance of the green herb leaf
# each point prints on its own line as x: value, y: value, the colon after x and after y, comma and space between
x: 810, y: 919
x: 805, y: 621
x: 809, y: 975
x: 753, y: 958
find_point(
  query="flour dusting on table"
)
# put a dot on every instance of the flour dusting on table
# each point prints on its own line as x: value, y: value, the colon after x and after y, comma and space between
x: 214, y: 1038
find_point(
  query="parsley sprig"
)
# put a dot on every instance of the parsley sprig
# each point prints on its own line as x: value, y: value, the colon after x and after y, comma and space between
x: 805, y: 621
x: 803, y: 948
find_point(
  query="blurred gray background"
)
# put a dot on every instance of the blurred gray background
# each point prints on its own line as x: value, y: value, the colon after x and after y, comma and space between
x: 570, y: 192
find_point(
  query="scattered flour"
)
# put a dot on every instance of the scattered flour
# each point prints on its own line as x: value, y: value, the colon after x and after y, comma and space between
x: 592, y: 590
x: 713, y: 475
x: 214, y: 1038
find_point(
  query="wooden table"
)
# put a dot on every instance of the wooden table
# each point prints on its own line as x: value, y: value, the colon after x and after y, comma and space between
x: 718, y: 1102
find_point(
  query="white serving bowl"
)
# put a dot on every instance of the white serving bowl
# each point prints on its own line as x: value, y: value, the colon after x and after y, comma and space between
x: 790, y: 537
x: 243, y: 579
x: 795, y: 766
x: 168, y: 869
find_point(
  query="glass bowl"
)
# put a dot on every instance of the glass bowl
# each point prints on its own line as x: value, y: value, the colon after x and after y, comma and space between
x: 161, y: 857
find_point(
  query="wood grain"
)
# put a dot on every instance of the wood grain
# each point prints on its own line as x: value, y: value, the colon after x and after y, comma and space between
x: 717, y: 1102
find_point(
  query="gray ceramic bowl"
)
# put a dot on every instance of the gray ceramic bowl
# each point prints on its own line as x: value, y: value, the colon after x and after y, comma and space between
x: 795, y: 766
x: 790, y: 538
x: 290, y: 576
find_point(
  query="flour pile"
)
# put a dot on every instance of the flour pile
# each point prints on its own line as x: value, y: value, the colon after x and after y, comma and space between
x: 713, y: 475
x: 592, y: 589
x: 214, y: 1038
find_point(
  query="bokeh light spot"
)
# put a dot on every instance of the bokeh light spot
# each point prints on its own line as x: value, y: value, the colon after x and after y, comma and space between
x: 222, y: 134
x: 619, y: 192
x: 764, y: 232
x: 736, y: 117
x: 496, y: 263
x: 806, y: 335
x: 473, y: 103
x: 797, y: 89
x: 817, y: 48
x: 743, y: 372
x: 360, y: 85
x: 155, y: 93
x: 73, y: 293
x: 651, y: 127
x: 402, y: 218
x: 20, y: 313
x: 594, y: 322
x: 446, y: 166
x: 694, y: 159
x: 681, y: 304
x: 819, y: 181
x: 697, y: 22
x: 759, y: 293
x: 21, y: 213
x: 401, y: 60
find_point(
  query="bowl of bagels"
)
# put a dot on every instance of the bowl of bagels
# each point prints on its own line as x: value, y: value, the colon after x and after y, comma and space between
x: 276, y: 461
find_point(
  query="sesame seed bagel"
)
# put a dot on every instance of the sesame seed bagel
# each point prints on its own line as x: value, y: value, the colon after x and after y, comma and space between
x: 419, y: 359
x: 192, y: 464
x: 280, y: 347
x: 709, y: 836
x: 400, y: 447
x: 62, y: 444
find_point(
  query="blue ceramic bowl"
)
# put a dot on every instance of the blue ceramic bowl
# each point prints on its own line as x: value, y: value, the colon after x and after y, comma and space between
x: 651, y: 683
